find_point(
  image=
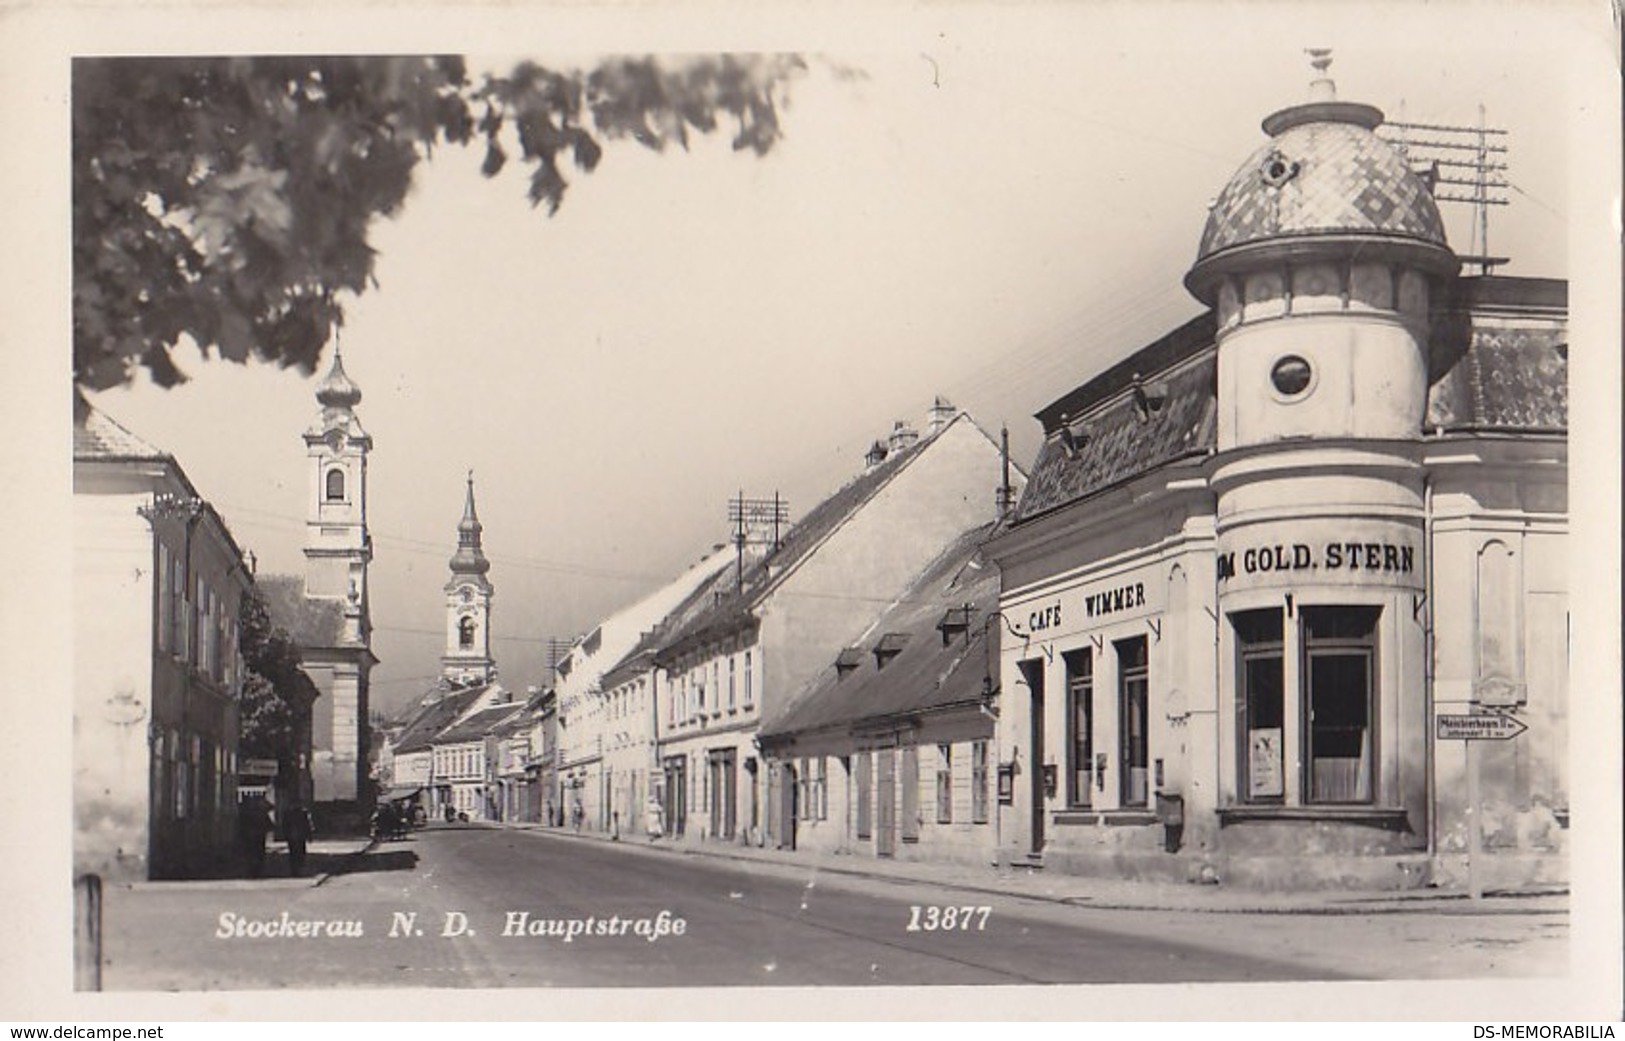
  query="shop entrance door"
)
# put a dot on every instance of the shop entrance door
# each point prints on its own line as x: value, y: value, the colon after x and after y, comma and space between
x: 723, y: 797
x: 787, y: 806
x: 676, y: 804
x: 885, y: 803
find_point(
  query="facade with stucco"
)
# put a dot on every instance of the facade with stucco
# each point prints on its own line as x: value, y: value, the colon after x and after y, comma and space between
x: 735, y: 655
x: 158, y: 587
x: 1259, y: 559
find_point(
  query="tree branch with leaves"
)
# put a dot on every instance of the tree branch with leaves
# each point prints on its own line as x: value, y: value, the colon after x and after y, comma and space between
x: 228, y: 200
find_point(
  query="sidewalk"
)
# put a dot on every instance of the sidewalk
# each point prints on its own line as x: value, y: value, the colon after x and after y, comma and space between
x: 323, y: 859
x: 1104, y: 893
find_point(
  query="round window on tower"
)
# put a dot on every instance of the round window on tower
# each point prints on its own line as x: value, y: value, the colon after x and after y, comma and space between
x: 1292, y: 376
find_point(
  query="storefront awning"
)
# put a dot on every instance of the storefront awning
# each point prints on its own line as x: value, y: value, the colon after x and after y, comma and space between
x: 403, y: 792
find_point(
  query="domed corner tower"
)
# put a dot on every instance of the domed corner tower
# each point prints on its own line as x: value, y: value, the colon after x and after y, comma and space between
x: 468, y: 604
x: 1322, y: 258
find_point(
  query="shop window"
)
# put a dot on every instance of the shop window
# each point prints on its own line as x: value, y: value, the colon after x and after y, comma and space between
x: 1261, y: 703
x: 978, y: 782
x: 1132, y: 693
x: 335, y: 485
x: 945, y: 784
x: 860, y: 785
x: 1080, y: 710
x: 1340, y: 651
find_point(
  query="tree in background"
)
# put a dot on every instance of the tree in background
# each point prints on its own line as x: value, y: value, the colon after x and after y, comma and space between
x: 227, y: 200
x: 274, y: 707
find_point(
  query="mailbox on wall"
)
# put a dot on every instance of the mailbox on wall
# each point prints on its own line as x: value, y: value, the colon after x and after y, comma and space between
x: 1007, y: 783
x: 1050, y: 780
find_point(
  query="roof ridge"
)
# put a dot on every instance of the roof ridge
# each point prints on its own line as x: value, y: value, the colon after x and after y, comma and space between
x: 87, y: 416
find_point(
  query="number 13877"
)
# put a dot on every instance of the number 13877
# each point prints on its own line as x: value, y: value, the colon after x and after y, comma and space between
x: 931, y: 918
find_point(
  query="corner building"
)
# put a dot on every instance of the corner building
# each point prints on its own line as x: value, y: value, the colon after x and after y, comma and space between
x: 1258, y: 557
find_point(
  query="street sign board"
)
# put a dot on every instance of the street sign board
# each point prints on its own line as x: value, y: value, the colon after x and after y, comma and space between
x: 1479, y: 726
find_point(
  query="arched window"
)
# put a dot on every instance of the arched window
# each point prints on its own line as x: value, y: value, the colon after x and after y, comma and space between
x: 335, y: 485
x: 465, y: 633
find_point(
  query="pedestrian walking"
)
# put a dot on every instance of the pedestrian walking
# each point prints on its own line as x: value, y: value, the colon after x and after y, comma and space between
x: 297, y: 828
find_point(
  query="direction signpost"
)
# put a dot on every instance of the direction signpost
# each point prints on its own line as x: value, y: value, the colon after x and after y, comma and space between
x: 1470, y: 729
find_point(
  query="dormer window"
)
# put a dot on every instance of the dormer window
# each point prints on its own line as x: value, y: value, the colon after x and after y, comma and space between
x: 848, y: 660
x: 954, y: 622
x: 889, y: 647
x: 335, y: 485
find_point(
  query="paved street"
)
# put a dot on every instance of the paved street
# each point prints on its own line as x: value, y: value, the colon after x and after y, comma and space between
x: 432, y: 912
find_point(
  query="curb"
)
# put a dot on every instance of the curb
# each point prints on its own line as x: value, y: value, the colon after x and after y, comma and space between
x: 1442, y: 903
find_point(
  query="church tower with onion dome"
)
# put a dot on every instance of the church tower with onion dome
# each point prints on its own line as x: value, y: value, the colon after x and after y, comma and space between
x: 337, y: 546
x: 468, y: 604
x: 334, y: 629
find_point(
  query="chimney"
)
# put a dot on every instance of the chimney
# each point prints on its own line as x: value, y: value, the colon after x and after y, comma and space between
x: 902, y: 436
x: 942, y: 413
x: 1003, y: 496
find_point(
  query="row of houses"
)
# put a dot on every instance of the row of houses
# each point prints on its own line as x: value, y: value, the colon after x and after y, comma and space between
x: 1226, y: 628
x: 653, y: 719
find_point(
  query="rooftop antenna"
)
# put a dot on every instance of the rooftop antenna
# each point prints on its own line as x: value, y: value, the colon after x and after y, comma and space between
x: 750, y: 519
x: 557, y: 650
x: 1465, y: 165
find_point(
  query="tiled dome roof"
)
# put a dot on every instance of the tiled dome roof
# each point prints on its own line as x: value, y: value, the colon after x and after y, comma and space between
x: 1323, y: 176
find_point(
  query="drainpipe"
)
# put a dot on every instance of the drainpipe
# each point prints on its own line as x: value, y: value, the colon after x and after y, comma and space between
x: 1428, y: 667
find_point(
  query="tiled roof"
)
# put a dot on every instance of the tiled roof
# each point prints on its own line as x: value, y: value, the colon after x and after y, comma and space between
x: 926, y: 674
x: 1500, y: 362
x: 1340, y: 177
x: 311, y: 622
x: 478, y: 724
x: 720, y: 606
x: 436, y: 716
x: 95, y: 436
x: 1118, y: 442
x: 1510, y: 373
x: 640, y: 660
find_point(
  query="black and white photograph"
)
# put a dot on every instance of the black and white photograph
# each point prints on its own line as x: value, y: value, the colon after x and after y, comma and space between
x: 1071, y: 511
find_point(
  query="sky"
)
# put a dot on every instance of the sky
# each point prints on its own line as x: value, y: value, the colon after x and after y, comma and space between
x: 989, y: 209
